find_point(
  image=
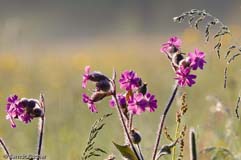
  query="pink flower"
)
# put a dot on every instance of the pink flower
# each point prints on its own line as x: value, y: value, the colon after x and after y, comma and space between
x: 140, y: 103
x: 197, y: 59
x: 86, y: 76
x: 86, y: 99
x: 22, y: 109
x: 129, y: 80
x: 172, y: 45
x: 184, y: 77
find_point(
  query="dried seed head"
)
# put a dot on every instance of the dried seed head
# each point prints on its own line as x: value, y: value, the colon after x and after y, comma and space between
x: 168, y: 136
x: 135, y: 136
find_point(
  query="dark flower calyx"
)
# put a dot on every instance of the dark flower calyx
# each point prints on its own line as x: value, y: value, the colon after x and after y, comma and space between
x: 177, y: 58
x: 97, y: 77
x: 143, y: 89
x: 135, y: 136
x: 103, y: 85
x: 99, y: 95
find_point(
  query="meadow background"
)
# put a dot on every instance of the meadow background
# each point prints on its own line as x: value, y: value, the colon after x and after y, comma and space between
x: 44, y: 47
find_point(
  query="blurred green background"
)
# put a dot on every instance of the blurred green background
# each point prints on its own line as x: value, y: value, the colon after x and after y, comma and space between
x: 44, y: 47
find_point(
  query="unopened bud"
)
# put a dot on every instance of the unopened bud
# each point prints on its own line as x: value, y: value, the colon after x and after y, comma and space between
x: 97, y: 96
x: 177, y: 58
x: 103, y: 85
x: 143, y: 89
x: 97, y: 77
x: 135, y: 136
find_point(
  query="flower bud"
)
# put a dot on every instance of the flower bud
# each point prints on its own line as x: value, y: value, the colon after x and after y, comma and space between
x: 177, y: 58
x: 97, y: 77
x: 97, y: 96
x: 37, y: 112
x: 135, y: 136
x: 172, y: 49
x: 103, y: 85
x: 143, y: 89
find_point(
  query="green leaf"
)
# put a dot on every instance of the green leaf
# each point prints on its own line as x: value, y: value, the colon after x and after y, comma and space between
x: 126, y: 151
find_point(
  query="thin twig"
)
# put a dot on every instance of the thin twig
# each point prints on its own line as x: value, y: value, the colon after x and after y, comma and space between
x: 5, y: 149
x: 237, y: 107
x: 139, y: 149
x: 125, y: 127
x: 225, y: 77
x: 162, y: 120
x: 41, y: 127
x: 130, y: 122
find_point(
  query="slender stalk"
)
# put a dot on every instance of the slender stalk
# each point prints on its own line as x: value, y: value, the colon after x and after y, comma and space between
x: 192, y: 145
x: 162, y: 120
x: 176, y: 135
x: 139, y: 149
x: 41, y: 128
x: 5, y: 149
x: 125, y: 127
x: 130, y: 122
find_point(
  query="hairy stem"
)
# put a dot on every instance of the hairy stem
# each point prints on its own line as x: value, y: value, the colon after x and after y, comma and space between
x: 139, y: 149
x: 41, y: 128
x: 125, y: 127
x: 176, y: 135
x: 5, y: 149
x: 162, y: 120
x: 130, y: 122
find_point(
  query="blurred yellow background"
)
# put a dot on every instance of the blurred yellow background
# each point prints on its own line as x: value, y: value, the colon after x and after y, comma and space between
x: 56, y: 68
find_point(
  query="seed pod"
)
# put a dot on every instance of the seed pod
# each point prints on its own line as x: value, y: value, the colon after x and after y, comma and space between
x: 135, y: 136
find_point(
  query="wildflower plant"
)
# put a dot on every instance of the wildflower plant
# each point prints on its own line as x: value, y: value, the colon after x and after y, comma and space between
x: 25, y: 110
x: 135, y: 98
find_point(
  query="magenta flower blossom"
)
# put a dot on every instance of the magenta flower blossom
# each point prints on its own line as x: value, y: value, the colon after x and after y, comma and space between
x: 86, y: 99
x: 121, y: 100
x: 184, y: 77
x: 140, y: 103
x: 172, y: 45
x: 86, y: 76
x: 197, y: 59
x: 152, y: 102
x: 16, y: 110
x: 129, y: 80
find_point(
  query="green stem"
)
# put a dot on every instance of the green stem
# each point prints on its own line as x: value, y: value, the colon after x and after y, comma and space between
x: 176, y: 135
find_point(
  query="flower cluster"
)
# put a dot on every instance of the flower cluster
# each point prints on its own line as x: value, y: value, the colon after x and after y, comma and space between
x: 183, y: 65
x: 135, y: 100
x: 22, y: 109
x: 103, y: 88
